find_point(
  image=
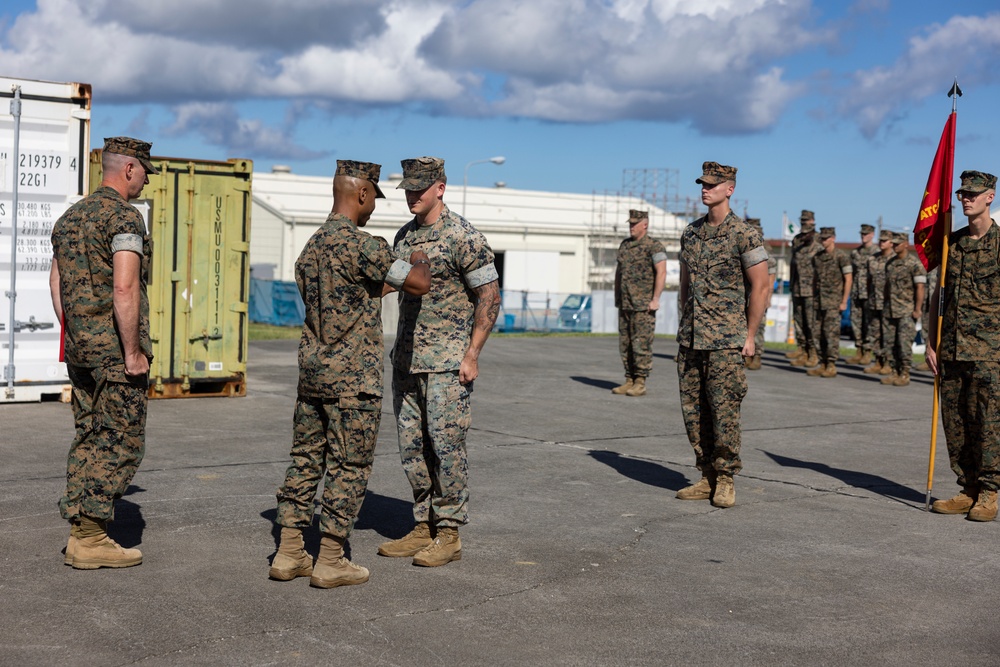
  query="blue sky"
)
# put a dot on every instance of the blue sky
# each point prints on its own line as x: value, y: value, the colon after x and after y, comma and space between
x: 834, y: 106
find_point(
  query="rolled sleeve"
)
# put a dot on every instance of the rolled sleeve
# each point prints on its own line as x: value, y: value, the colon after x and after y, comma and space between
x: 848, y: 269
x: 482, y: 276
x: 659, y: 257
x: 919, y: 280
x: 397, y: 273
x: 753, y: 257
x: 129, y: 242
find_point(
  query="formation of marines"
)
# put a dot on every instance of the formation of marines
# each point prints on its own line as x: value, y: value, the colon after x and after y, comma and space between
x: 449, y: 300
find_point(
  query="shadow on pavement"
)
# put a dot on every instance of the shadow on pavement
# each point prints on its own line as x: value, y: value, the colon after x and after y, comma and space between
x: 389, y: 517
x: 859, y: 480
x: 128, y: 525
x: 646, y: 472
x: 593, y: 382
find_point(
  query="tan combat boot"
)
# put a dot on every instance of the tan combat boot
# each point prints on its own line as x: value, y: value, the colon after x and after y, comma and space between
x: 332, y: 569
x: 887, y: 369
x: 854, y: 359
x: 446, y: 547
x: 829, y: 371
x: 890, y: 378
x: 620, y: 389
x: 795, y: 354
x: 922, y: 366
x: 725, y: 492
x: 292, y: 560
x: 985, y: 508
x: 902, y: 379
x: 753, y: 363
x: 960, y: 504
x: 408, y: 544
x: 700, y: 490
x: 813, y: 360
x: 74, y: 536
x: 638, y: 388
x: 816, y: 372
x: 875, y: 368
x: 865, y: 359
x: 94, y: 549
x: 801, y: 360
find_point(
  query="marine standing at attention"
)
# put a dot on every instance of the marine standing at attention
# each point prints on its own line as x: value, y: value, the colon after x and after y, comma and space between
x: 861, y: 317
x: 720, y: 256
x: 342, y: 274
x: 834, y: 274
x: 100, y: 266
x: 803, y: 284
x: 435, y: 361
x: 639, y: 278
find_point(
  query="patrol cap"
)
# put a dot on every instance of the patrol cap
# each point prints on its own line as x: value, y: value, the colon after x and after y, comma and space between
x: 139, y: 150
x: 885, y: 235
x: 421, y: 172
x: 900, y: 237
x: 636, y: 216
x: 368, y: 171
x: 827, y: 232
x: 867, y: 229
x: 714, y: 173
x: 807, y: 215
x: 977, y: 181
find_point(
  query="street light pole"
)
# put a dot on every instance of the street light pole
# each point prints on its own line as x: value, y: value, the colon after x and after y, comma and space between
x: 465, y: 183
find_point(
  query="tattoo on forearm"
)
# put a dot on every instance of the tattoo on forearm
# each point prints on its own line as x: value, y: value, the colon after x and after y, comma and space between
x: 487, y: 306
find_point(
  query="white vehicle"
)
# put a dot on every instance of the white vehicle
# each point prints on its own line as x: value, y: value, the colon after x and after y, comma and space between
x: 49, y: 123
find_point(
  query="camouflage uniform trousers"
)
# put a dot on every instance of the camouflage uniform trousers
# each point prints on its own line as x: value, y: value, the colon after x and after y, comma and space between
x: 898, y: 334
x: 713, y: 384
x: 828, y: 335
x: 335, y: 438
x: 877, y: 331
x: 433, y: 415
x: 635, y: 341
x: 109, y: 413
x: 970, y: 414
x: 804, y: 315
x: 861, y: 325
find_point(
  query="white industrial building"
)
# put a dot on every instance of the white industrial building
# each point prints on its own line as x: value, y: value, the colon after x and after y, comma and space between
x: 545, y: 242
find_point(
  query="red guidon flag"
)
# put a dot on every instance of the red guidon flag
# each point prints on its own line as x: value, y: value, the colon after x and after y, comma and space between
x: 934, y: 219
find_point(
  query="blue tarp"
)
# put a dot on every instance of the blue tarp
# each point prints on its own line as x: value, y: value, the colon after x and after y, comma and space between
x: 276, y: 302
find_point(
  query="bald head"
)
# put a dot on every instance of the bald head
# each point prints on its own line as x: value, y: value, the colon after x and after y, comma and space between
x: 354, y: 198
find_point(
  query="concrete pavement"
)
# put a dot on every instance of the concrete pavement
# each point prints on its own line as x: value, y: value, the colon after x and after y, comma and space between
x: 578, y: 553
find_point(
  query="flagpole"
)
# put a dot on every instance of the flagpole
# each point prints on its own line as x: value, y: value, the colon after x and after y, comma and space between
x: 954, y: 94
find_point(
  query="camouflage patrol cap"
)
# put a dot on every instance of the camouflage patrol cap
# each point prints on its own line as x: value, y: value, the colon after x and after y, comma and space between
x: 636, y: 216
x: 885, y: 235
x: 368, y: 171
x: 827, y: 232
x: 900, y: 237
x: 421, y: 172
x: 714, y: 173
x: 807, y: 215
x: 867, y: 229
x: 135, y: 148
x: 977, y: 181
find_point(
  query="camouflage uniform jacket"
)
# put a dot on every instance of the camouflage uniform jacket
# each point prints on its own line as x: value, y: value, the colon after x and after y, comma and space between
x: 860, y: 258
x: 830, y: 269
x: 801, y: 274
x: 340, y: 273
x: 84, y: 241
x: 635, y: 273
x: 435, y: 329
x: 714, y: 316
x: 876, y: 281
x: 970, y: 329
x: 901, y: 274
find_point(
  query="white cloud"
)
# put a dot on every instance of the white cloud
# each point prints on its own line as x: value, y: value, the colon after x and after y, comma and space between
x: 965, y: 46
x: 710, y: 63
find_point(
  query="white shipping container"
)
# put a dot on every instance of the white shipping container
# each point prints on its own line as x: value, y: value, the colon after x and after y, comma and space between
x: 52, y: 173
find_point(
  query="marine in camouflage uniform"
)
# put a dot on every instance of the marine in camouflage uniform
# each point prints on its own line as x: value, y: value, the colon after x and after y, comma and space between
x: 340, y: 274
x: 968, y: 358
x: 925, y: 318
x: 435, y: 361
x: 905, y: 282
x: 834, y: 276
x: 98, y: 283
x: 803, y: 285
x: 876, y: 303
x: 753, y: 363
x: 720, y: 255
x: 861, y: 317
x: 639, y: 278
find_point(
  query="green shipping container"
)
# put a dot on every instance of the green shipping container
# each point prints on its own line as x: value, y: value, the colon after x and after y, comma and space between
x: 198, y: 215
